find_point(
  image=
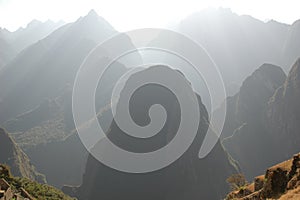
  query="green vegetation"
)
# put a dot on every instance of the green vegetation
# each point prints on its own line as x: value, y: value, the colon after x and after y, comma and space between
x: 237, y: 182
x: 37, y: 190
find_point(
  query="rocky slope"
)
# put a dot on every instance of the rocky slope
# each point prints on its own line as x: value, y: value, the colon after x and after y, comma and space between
x: 244, y: 134
x: 48, y: 132
x: 24, y: 188
x: 46, y: 68
x: 12, y: 155
x: 248, y: 104
x: 36, y: 94
x: 281, y: 182
x: 187, y: 178
x: 260, y: 127
x: 282, y: 117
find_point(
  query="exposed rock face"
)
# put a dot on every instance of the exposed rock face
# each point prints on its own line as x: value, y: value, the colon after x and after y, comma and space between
x: 269, y: 128
x: 283, y: 114
x: 187, y: 178
x: 244, y: 133
x: 248, y: 104
x: 281, y: 181
x: 13, y: 156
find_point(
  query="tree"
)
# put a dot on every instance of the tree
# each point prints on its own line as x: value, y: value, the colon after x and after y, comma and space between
x: 236, y: 181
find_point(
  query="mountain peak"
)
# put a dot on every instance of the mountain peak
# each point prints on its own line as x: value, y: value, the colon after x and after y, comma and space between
x: 33, y: 23
x: 267, y: 75
x: 92, y: 13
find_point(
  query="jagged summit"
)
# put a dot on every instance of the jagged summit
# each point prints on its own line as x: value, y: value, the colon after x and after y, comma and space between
x: 92, y: 12
x: 93, y: 16
x: 93, y: 24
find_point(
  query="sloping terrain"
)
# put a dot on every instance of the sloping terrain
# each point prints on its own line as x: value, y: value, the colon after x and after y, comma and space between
x: 19, y: 162
x: 239, y: 44
x: 281, y: 182
x: 25, y: 188
x: 244, y: 135
x: 37, y: 97
x: 12, y: 43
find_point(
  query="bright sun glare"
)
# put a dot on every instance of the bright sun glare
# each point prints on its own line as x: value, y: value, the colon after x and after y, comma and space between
x: 129, y: 14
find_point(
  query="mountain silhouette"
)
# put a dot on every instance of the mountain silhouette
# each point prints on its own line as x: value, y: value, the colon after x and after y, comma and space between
x: 37, y: 99
x: 12, y: 43
x: 187, y: 178
x: 240, y: 43
x: 265, y: 132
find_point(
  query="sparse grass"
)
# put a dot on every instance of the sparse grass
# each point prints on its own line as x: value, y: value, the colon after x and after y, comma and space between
x: 35, y: 189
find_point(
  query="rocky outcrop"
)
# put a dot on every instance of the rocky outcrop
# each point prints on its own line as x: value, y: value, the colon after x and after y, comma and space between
x: 18, y: 188
x: 281, y: 182
x: 278, y: 138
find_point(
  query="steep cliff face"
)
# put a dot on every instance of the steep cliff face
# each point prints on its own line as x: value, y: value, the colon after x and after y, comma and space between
x: 283, y: 113
x: 269, y: 128
x: 248, y: 104
x: 13, y: 156
x: 245, y: 135
x: 187, y: 178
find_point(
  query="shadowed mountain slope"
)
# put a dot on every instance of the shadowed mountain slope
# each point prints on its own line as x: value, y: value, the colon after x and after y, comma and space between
x: 187, y: 178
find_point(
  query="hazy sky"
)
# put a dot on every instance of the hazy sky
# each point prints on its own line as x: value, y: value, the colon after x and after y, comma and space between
x: 130, y: 14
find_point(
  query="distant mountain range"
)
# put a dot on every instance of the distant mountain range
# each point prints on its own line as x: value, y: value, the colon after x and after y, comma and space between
x: 36, y: 96
x: 239, y: 44
x: 38, y: 68
x: 11, y: 43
